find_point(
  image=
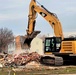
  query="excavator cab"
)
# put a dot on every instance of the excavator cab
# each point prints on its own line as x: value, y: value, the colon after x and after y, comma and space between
x: 52, y: 44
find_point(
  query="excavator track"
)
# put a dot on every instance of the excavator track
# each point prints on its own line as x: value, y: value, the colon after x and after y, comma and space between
x: 52, y: 60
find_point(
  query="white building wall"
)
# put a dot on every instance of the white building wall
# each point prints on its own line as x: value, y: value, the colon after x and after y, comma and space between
x: 37, y: 46
x: 11, y: 47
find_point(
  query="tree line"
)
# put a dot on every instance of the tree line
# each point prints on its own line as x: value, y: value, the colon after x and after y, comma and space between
x: 6, y: 36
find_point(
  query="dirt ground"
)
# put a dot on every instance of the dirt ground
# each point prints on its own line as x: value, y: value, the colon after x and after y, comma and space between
x: 39, y: 70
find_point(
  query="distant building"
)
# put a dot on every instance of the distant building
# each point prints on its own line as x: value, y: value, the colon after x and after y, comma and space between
x: 17, y: 45
x: 19, y: 40
x: 11, y: 47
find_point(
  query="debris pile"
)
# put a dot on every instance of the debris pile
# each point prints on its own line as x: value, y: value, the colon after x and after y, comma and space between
x: 20, y: 60
x: 24, y: 58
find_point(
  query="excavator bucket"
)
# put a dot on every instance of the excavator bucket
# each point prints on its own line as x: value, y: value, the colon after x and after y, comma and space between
x: 28, y: 39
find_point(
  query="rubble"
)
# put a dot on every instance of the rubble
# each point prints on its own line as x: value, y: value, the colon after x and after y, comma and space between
x: 20, y: 60
x: 32, y: 64
x: 25, y: 58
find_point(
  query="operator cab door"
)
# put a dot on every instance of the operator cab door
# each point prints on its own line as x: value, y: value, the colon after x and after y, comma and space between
x: 52, y: 44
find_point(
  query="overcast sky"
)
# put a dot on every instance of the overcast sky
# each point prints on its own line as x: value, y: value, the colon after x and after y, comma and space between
x: 14, y: 15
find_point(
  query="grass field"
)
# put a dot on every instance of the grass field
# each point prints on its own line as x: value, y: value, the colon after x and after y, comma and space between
x: 40, y: 71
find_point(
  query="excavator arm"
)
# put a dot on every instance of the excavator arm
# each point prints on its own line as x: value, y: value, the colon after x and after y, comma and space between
x: 31, y: 33
x: 31, y: 18
x: 51, y: 18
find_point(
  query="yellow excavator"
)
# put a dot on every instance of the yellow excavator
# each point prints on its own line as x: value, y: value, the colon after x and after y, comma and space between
x: 57, y: 49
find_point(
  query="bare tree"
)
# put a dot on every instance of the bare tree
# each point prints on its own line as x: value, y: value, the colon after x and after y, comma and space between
x: 6, y: 36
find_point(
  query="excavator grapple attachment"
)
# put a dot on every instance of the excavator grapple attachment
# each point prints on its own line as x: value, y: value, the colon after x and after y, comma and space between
x: 29, y: 38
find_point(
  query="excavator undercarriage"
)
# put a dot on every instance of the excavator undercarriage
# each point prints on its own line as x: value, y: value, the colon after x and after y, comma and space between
x: 52, y: 60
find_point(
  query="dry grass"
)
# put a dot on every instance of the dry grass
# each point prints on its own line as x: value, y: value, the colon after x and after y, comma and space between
x: 39, y: 71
